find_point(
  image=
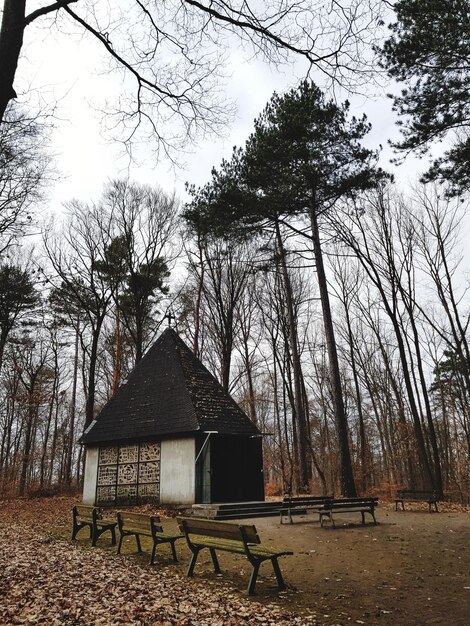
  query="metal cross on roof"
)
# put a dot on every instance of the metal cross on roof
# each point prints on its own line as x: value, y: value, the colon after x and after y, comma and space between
x: 170, y: 317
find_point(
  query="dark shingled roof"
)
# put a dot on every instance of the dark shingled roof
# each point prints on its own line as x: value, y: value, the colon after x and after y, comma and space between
x: 169, y: 392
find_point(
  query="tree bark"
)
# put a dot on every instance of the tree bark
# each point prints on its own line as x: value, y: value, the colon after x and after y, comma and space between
x: 117, y: 356
x: 197, y: 308
x: 11, y: 42
x: 90, y: 400
x: 73, y: 408
x: 302, y: 433
x: 348, y: 487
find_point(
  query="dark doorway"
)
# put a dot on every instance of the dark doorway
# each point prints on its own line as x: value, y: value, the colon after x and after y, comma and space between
x: 236, y: 469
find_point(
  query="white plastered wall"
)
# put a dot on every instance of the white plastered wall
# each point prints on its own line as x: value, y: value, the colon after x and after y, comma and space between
x: 91, y: 475
x: 177, y: 471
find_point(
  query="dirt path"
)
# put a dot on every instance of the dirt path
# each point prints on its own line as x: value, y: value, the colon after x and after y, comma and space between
x: 412, y: 569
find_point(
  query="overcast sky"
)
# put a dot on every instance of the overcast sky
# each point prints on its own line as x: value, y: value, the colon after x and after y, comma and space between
x: 65, y: 70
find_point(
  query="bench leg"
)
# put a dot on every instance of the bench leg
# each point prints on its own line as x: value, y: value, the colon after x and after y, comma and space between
x: 154, y: 549
x: 173, y: 552
x: 215, y: 560
x: 77, y: 527
x: 363, y: 518
x: 192, y: 563
x: 329, y: 515
x: 277, y: 571
x: 97, y: 532
x: 120, y: 543
x: 137, y: 539
x: 253, y: 577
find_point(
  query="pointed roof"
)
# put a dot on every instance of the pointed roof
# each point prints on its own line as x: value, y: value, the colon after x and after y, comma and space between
x: 169, y: 392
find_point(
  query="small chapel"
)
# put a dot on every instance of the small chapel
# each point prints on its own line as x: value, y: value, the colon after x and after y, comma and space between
x: 172, y: 436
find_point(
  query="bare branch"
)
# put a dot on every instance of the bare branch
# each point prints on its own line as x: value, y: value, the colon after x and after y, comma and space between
x: 55, y: 6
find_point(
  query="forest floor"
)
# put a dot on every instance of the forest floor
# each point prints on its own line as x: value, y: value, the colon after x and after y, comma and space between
x: 412, y: 569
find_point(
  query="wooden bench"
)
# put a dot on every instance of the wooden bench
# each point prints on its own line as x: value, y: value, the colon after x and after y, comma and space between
x: 410, y: 495
x: 301, y: 503
x: 137, y: 524
x: 229, y: 537
x: 348, y: 505
x: 84, y: 516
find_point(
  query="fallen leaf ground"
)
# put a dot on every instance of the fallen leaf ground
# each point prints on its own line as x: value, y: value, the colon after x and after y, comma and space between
x: 412, y: 568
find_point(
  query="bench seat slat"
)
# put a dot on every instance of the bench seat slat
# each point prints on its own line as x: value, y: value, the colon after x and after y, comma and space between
x: 91, y: 517
x: 348, y: 505
x: 300, y: 504
x: 139, y: 524
x: 223, y: 530
x: 229, y: 537
x: 411, y: 495
x: 234, y: 546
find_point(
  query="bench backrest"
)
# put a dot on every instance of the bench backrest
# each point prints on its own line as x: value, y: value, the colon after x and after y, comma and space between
x: 86, y: 512
x: 416, y: 494
x: 353, y: 502
x: 219, y: 530
x: 137, y: 521
x: 305, y: 500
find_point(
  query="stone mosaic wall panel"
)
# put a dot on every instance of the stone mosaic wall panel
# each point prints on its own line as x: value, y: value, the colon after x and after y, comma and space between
x: 108, y: 455
x: 128, y: 454
x: 149, y: 452
x: 148, y: 492
x: 106, y: 495
x: 126, y: 493
x: 129, y: 474
x: 107, y: 475
x: 149, y: 472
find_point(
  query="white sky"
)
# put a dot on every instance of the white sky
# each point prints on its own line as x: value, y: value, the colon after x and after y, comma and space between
x: 65, y: 70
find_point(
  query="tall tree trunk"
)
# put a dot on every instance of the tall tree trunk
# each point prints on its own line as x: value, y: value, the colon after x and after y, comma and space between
x: 28, y: 443
x: 11, y: 42
x: 117, y: 356
x: 302, y: 432
x: 249, y: 375
x: 200, y: 287
x: 73, y: 409
x: 437, y: 473
x: 277, y: 414
x: 91, y: 388
x: 52, y: 401
x: 348, y: 487
x: 55, y: 435
x: 362, y: 429
x: 139, y: 337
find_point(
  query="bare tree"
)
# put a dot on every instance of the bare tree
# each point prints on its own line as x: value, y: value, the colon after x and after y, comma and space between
x: 142, y: 222
x: 23, y: 167
x: 373, y: 238
x: 228, y: 267
x: 348, y: 281
x: 439, y: 223
x: 170, y: 55
x: 74, y: 253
